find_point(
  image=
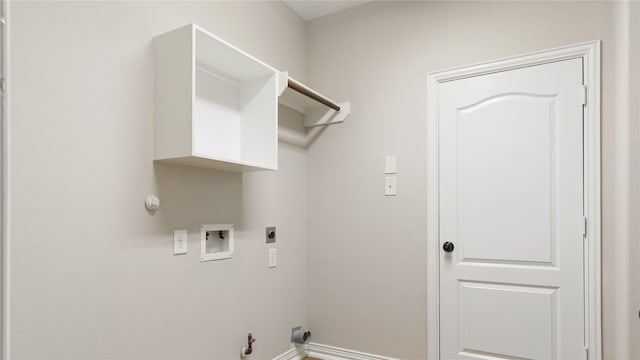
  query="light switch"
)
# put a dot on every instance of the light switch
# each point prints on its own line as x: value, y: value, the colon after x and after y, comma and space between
x: 390, y: 186
x: 179, y: 242
x: 390, y: 164
x: 273, y: 258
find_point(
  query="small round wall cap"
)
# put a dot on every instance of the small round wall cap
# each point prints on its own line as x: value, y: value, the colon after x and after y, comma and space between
x: 152, y: 203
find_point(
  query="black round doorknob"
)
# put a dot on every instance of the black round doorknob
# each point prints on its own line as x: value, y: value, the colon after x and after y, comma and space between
x: 448, y: 246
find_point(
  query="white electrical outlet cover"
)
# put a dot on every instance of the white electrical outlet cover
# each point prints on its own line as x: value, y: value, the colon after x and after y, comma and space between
x: 390, y: 186
x: 179, y: 242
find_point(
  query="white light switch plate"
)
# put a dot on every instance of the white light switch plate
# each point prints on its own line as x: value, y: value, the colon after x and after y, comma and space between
x: 390, y: 164
x: 273, y: 258
x: 390, y: 186
x: 179, y: 242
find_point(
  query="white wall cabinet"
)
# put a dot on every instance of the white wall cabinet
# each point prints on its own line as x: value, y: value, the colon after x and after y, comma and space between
x: 215, y: 105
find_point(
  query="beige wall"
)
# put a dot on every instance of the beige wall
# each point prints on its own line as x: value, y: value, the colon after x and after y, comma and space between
x: 366, y: 252
x: 92, y: 275
x: 91, y: 272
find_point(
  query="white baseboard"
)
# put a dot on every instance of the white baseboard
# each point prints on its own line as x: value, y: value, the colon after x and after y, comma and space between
x: 326, y: 352
x: 295, y: 353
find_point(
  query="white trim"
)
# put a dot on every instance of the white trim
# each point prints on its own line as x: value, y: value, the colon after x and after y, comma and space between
x: 590, y: 52
x: 433, y: 230
x: 326, y: 352
x: 295, y: 353
x: 593, y: 201
x: 5, y: 196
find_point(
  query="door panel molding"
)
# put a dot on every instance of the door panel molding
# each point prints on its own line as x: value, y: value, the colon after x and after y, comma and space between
x: 589, y: 52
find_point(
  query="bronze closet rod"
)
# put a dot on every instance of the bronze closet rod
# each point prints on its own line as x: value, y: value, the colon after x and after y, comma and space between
x: 294, y: 85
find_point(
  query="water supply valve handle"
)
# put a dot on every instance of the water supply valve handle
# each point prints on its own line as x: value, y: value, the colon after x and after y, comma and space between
x: 247, y: 349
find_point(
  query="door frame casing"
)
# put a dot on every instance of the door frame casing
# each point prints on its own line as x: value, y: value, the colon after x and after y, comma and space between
x: 590, y: 53
x: 4, y: 180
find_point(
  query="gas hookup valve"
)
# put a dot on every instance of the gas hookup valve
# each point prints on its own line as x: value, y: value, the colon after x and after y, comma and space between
x: 247, y: 349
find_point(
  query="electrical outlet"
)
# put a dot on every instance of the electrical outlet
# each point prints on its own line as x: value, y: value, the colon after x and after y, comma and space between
x: 270, y: 234
x: 179, y: 242
x: 390, y: 188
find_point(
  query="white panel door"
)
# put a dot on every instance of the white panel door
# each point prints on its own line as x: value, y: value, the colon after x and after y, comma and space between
x: 511, y: 203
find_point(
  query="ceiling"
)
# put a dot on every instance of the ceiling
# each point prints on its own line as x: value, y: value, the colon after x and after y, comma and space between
x: 311, y: 9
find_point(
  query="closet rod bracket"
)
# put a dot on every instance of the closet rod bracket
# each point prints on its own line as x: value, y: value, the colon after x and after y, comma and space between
x: 318, y: 109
